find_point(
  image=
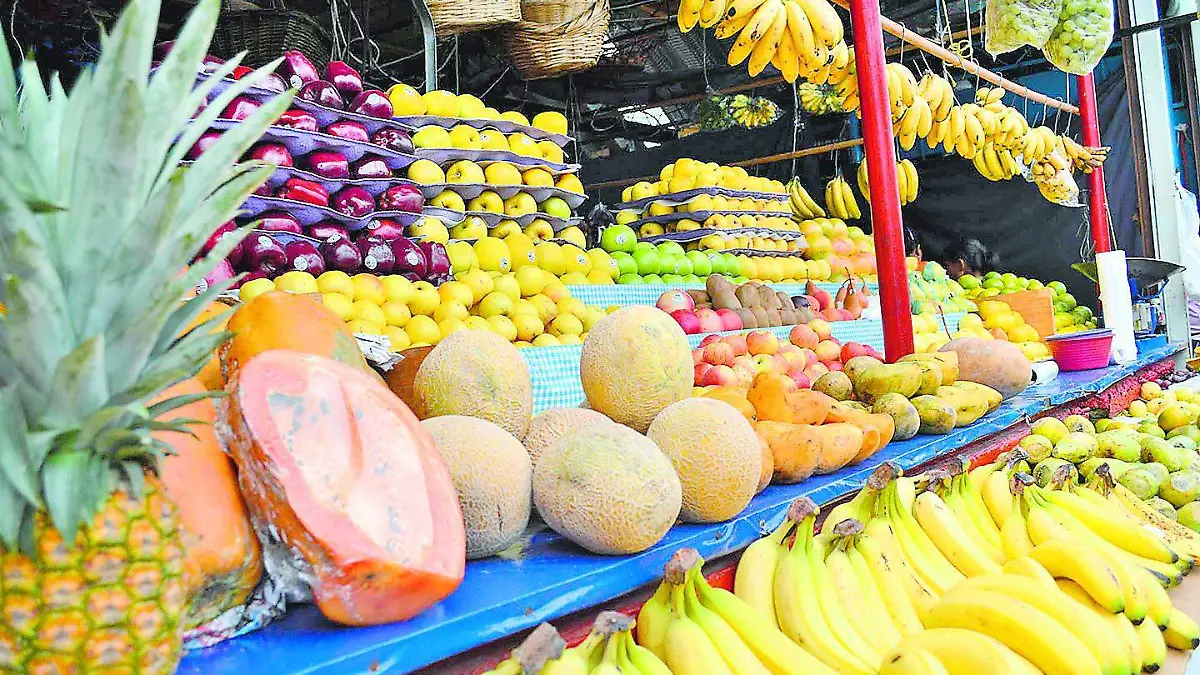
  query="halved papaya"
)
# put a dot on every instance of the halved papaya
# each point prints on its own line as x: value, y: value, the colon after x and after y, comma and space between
x: 840, y: 444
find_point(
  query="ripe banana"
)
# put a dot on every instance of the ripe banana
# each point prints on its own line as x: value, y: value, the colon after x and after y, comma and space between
x: 754, y: 581
x: 686, y: 647
x: 1117, y: 623
x: 907, y: 598
x: 1030, y: 569
x: 1066, y: 559
x: 834, y: 612
x: 966, y: 652
x: 689, y: 14
x: 947, y: 534
x: 827, y: 26
x: 737, y: 655
x: 639, y: 660
x: 711, y: 12
x: 768, y: 44
x: 755, y: 29
x: 1026, y: 630
x: 800, y: 29
x: 1154, y: 646
x: 737, y: 14
x: 1181, y: 631
x: 911, y: 180
x: 1120, y: 533
x: 912, y: 661
x: 576, y: 660
x: 923, y: 556
x: 786, y: 60
x: 653, y: 618
x: 859, y: 598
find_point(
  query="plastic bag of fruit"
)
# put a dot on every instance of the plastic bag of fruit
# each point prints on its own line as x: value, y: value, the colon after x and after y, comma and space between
x: 1083, y: 33
x: 1060, y: 188
x: 1011, y: 24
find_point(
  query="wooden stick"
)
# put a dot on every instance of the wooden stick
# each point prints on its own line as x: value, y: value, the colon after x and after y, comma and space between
x: 934, y: 49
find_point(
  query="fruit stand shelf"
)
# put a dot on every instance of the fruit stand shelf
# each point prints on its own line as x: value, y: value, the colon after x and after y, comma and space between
x: 647, y: 294
x: 550, y: 578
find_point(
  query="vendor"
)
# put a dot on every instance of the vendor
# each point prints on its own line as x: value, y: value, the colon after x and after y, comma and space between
x: 969, y: 256
x: 912, y: 244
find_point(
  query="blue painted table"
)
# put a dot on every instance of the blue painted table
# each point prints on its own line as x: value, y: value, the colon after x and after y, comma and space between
x: 501, y: 597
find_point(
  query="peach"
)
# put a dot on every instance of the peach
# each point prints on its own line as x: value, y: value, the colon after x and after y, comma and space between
x: 853, y: 349
x: 815, y: 371
x: 827, y: 350
x: 697, y: 356
x: 721, y: 376
x: 730, y: 319
x: 804, y: 336
x: 802, y: 381
x: 709, y: 339
x: 743, y: 377
x: 719, y: 354
x: 699, y: 371
x: 793, y: 358
x: 822, y: 328
x: 738, y: 342
x: 710, y: 321
x: 810, y: 357
x: 835, y: 365
x: 761, y: 342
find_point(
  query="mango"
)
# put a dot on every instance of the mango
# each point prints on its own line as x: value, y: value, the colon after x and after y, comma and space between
x: 946, y: 361
x: 900, y: 378
x: 968, y: 405
x: 902, y: 412
x: 993, y: 397
x: 937, y: 415
x: 1075, y: 447
x: 931, y: 378
x: 1037, y: 447
x: 836, y: 384
x: 859, y: 365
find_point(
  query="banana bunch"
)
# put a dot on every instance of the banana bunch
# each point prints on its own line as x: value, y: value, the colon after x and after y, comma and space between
x: 541, y: 647
x: 840, y: 201
x: 907, y: 180
x: 796, y: 36
x: 1084, y: 158
x: 819, y: 99
x: 703, y: 13
x: 752, y: 112
x: 835, y: 67
x: 996, y: 164
x: 803, y: 206
x: 1052, y: 174
x: 695, y: 628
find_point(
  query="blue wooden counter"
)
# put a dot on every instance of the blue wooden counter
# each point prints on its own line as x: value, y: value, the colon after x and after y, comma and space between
x: 552, y: 578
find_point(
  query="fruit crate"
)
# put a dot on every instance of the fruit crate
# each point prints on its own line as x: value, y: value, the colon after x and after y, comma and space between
x: 1036, y: 307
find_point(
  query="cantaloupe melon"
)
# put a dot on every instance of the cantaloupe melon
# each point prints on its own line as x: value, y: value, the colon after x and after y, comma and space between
x: 716, y: 453
x: 608, y: 489
x: 995, y: 363
x: 493, y: 477
x: 478, y: 374
x: 549, y: 426
x: 635, y: 362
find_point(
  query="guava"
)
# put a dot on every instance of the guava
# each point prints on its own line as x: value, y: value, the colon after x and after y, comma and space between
x: 1162, y: 506
x: 1050, y: 427
x: 1038, y: 447
x: 1044, y: 471
x: 1141, y: 482
x: 1079, y: 423
x: 1075, y: 447
x: 1160, y: 472
x: 1119, y: 445
x: 1166, y: 454
x: 1189, y: 516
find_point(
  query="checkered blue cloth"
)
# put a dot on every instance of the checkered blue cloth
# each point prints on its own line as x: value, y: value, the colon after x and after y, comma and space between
x: 555, y: 370
x: 624, y: 295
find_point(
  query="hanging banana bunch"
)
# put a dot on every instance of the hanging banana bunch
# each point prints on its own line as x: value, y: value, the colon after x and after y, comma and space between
x: 803, y: 206
x: 752, y: 112
x: 996, y: 164
x: 703, y: 13
x: 820, y: 99
x: 799, y: 37
x: 840, y: 201
x: 1084, y: 158
x: 907, y: 181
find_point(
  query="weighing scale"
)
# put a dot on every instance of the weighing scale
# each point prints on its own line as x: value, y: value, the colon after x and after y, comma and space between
x: 1147, y: 277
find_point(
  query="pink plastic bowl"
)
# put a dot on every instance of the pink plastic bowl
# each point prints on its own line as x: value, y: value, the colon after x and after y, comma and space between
x: 1085, y: 350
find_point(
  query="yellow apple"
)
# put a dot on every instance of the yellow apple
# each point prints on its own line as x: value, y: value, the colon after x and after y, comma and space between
x: 520, y: 245
x: 433, y: 137
x: 680, y: 184
x: 520, y: 204
x: 489, y: 113
x: 425, y: 172
x: 441, y: 103
x: 649, y: 230
x: 462, y: 256
x: 406, y: 100
x: 539, y: 231
x: 470, y: 107
x: 431, y: 229
x: 505, y: 228
x: 667, y: 172
x: 515, y: 117
x: 551, y: 152
x: 538, y: 178
x: 626, y: 216
x: 493, y: 140
x: 574, y: 235
x: 448, y: 199
x: 523, y: 145
x: 465, y: 137
x: 472, y: 227
x: 550, y: 257
x: 552, y: 121
x: 488, y: 202
x: 465, y: 171
x: 570, y: 183
x: 661, y: 209
x: 641, y: 190
x: 502, y: 173
x: 493, y: 254
x: 686, y: 225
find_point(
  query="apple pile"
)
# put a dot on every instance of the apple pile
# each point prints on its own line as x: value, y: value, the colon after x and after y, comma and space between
x: 809, y: 352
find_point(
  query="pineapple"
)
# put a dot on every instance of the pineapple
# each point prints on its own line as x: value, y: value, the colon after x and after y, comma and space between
x: 96, y: 221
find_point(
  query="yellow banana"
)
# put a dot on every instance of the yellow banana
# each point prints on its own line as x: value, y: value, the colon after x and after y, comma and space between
x: 774, y: 650
x: 925, y: 124
x: 740, y: 659
x: 997, y: 497
x: 939, y: 523
x: 1154, y: 646
x: 1066, y: 559
x: 730, y: 27
x: 1180, y: 538
x: 686, y: 647
x: 576, y: 660
x: 642, y: 661
x: 786, y: 60
x: 833, y: 200
x: 938, y: 573
x: 992, y: 161
x: 799, y: 28
x: 826, y: 24
x: 1122, y: 534
x: 833, y: 611
x: 891, y: 585
x: 754, y: 581
x: 912, y: 661
x: 1015, y: 534
x: 609, y: 660
x: 966, y: 652
x: 653, y: 618
x: 1181, y: 632
x: 1030, y: 569
x: 711, y: 11
x: 913, y: 181
x: 768, y: 45
x: 848, y: 199
x: 858, y: 597
x: 841, y: 56
x: 1026, y: 630
x: 738, y: 10
x: 753, y: 32
x: 689, y: 14
x: 1118, y: 624
x: 958, y: 122
x: 1088, y: 628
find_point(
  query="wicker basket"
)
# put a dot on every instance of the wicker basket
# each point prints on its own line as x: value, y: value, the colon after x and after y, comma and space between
x: 452, y: 17
x: 556, y: 37
x: 267, y: 33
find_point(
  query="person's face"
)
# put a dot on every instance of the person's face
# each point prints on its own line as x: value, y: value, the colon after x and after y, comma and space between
x: 957, y: 268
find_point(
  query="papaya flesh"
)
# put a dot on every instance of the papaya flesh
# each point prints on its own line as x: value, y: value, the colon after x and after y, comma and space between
x: 341, y: 475
x: 877, y: 429
x: 795, y: 449
x: 840, y: 444
x: 776, y: 399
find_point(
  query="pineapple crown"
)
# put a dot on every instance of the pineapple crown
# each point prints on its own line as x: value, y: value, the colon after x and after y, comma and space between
x: 97, y: 218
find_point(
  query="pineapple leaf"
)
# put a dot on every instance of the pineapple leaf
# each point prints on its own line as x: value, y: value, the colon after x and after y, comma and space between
x: 101, y: 420
x: 111, y: 441
x: 78, y: 388
x: 185, y: 315
x: 8, y: 99
x: 37, y: 338
x: 67, y: 485
x: 13, y: 509
x: 18, y: 469
x: 176, y: 402
x: 183, y: 359
x: 135, y: 477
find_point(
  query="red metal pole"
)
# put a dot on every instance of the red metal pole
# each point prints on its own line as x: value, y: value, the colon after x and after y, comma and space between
x: 1097, y: 199
x: 887, y: 226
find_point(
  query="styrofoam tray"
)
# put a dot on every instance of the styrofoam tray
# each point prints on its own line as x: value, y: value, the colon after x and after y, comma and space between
x: 494, y: 219
x: 300, y: 143
x: 540, y: 194
x: 677, y: 198
x: 503, y: 126
x: 309, y: 214
x: 701, y: 216
x: 444, y: 156
x: 376, y: 186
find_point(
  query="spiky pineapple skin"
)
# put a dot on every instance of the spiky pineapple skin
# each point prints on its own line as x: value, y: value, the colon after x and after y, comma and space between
x: 112, y: 603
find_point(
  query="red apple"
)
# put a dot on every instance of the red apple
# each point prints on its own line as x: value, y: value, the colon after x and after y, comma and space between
x: 671, y: 301
x: 710, y: 321
x: 699, y: 371
x: 810, y: 357
x: 793, y: 357
x: 821, y: 328
x: 815, y: 371
x: 709, y: 339
x: 853, y: 349
x: 738, y: 342
x: 719, y: 354
x: 835, y: 366
x: 687, y: 321
x: 802, y: 381
x: 761, y: 342
x: 697, y: 356
x: 745, y: 361
x: 743, y: 378
x: 804, y: 336
x: 719, y: 376
x: 730, y: 319
x: 780, y: 364
x: 827, y: 350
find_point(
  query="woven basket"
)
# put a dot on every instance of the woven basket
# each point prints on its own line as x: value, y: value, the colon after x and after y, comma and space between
x: 452, y: 17
x: 267, y: 33
x: 556, y: 37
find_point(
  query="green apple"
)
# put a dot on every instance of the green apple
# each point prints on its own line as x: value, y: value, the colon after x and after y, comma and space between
x: 733, y: 266
x: 1034, y: 284
x: 555, y: 206
x: 683, y: 265
x: 625, y: 263
x: 1058, y: 287
x: 630, y: 279
x: 618, y: 238
x: 692, y: 279
x: 672, y: 279
x: 647, y: 261
x: 670, y: 248
x: 716, y: 262
x: 740, y: 280
x: 651, y: 279
x: 701, y: 267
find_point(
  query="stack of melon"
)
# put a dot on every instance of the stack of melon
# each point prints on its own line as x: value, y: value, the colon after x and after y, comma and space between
x: 612, y: 477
